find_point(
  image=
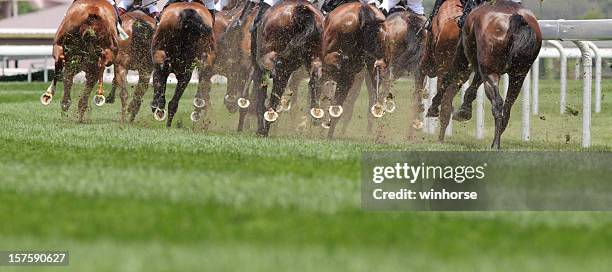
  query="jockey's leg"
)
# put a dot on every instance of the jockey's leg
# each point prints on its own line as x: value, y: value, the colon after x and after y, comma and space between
x: 122, y: 35
x: 263, y: 7
x: 123, y: 6
x: 210, y: 5
x: 151, y: 7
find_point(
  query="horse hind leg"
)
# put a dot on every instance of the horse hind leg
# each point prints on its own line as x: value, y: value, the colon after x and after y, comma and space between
x: 280, y: 81
x: 68, y: 80
x: 516, y: 84
x: 141, y: 88
x: 344, y: 86
x: 110, y: 99
x: 491, y: 89
x: 183, y: 81
x: 202, y: 97
x: 47, y: 96
x: 121, y: 81
x: 465, y: 112
x: 160, y: 77
x: 91, y: 78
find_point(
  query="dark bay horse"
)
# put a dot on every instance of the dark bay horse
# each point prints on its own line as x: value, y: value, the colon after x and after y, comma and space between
x: 289, y: 37
x: 440, y: 45
x: 134, y: 54
x: 352, y: 39
x: 86, y: 40
x: 183, y: 39
x: 497, y: 38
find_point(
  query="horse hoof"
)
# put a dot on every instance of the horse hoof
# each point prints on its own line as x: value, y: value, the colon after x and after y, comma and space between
x: 230, y: 98
x: 195, y: 116
x: 199, y: 102
x: 46, y: 98
x: 335, y: 111
x: 99, y: 100
x: 243, y: 103
x: 378, y: 110
x: 271, y: 115
x: 159, y: 114
x: 326, y: 124
x: 317, y: 113
x: 390, y: 106
x: 418, y: 124
x: 462, y: 115
x: 433, y: 113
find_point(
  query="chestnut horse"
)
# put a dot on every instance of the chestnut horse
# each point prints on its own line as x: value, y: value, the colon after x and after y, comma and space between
x: 184, y: 38
x: 288, y: 38
x: 353, y: 38
x: 86, y: 40
x: 498, y: 38
x: 134, y: 54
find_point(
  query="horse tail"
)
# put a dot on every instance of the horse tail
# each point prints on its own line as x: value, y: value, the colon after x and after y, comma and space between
x: 521, y: 39
x: 88, y: 29
x: 306, y: 30
x: 415, y: 39
x: 142, y: 34
x: 192, y: 25
x: 369, y: 25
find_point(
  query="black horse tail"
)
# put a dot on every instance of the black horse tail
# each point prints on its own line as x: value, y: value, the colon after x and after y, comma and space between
x: 370, y: 28
x: 142, y: 33
x: 415, y: 39
x: 305, y: 32
x: 192, y: 25
x: 521, y: 40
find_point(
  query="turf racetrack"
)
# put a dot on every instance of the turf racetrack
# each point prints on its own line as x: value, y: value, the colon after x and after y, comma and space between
x: 141, y: 197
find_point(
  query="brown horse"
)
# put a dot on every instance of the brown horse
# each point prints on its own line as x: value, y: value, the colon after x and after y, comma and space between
x: 498, y: 38
x: 184, y: 38
x: 353, y: 38
x: 134, y: 54
x: 441, y: 45
x: 86, y: 40
x: 289, y: 37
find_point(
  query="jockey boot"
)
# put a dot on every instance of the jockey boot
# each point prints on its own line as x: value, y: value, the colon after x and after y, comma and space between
x: 213, y: 12
x: 263, y: 7
x: 118, y: 12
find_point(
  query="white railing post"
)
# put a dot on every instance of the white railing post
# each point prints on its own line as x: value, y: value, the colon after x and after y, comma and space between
x: 506, y: 82
x: 598, y: 72
x: 526, y: 106
x: 563, y: 75
x: 535, y: 91
x: 480, y: 113
x: 587, y: 77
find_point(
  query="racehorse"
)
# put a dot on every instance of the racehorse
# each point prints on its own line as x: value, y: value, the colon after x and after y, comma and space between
x: 183, y: 38
x: 289, y: 37
x: 497, y: 38
x: 441, y: 45
x: 86, y: 40
x: 403, y: 46
x: 353, y: 38
x: 134, y: 54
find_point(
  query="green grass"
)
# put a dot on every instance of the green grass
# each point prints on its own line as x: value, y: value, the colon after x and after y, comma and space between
x: 141, y: 197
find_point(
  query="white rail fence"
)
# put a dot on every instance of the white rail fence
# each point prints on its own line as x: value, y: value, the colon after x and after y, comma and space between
x: 581, y: 32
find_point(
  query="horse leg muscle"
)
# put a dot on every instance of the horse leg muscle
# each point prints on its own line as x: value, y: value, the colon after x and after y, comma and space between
x: 465, y: 112
x: 491, y: 89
